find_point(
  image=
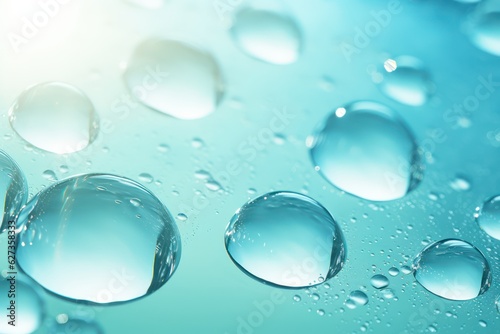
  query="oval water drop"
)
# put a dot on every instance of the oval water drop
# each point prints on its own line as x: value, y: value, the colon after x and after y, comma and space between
x: 77, y: 239
x: 267, y: 35
x: 175, y: 78
x: 368, y: 152
x: 13, y: 190
x: 452, y: 269
x: 484, y: 30
x: 488, y: 217
x: 379, y: 281
x: 285, y: 239
x: 54, y: 117
x: 406, y: 81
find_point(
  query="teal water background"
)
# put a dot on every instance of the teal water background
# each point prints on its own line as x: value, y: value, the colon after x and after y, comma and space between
x: 87, y: 44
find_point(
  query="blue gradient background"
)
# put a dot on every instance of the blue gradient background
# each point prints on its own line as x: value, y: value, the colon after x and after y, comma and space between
x: 89, y: 40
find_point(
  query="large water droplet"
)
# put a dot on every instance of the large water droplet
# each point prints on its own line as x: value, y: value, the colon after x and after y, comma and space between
x: 54, y: 117
x: 13, y: 190
x: 29, y: 306
x: 452, y: 269
x: 406, y: 81
x: 484, y: 29
x: 80, y: 243
x: 174, y: 78
x: 267, y: 35
x: 368, y: 151
x: 488, y: 217
x: 379, y: 281
x: 285, y: 239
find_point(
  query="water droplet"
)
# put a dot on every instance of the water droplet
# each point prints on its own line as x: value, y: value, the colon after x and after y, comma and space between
x: 483, y: 323
x: 369, y: 152
x: 431, y: 329
x: 267, y: 35
x: 54, y: 117
x: 406, y: 270
x: 388, y: 293
x: 49, y: 175
x: 29, y: 307
x: 393, y: 271
x: 174, y: 78
x: 182, y: 217
x: 213, y: 185
x: 197, y: 143
x: 379, y: 281
x: 460, y: 183
x: 498, y: 304
x: 163, y: 148
x: 484, y: 29
x: 297, y: 298
x: 62, y: 318
x: 77, y: 239
x: 315, y: 296
x: 320, y: 312
x: 202, y: 175
x: 13, y: 190
x: 146, y: 178
x: 488, y: 217
x: 357, y: 298
x: 406, y: 81
x: 285, y: 239
x: 452, y: 269
x: 79, y: 326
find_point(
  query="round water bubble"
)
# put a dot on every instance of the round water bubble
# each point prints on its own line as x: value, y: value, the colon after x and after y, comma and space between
x: 13, y: 190
x: 484, y: 28
x: 368, y: 151
x: 406, y: 81
x: 488, y: 217
x: 79, y: 326
x: 54, y: 117
x: 285, y: 239
x: 452, y: 269
x: 267, y: 35
x: 99, y: 238
x: 379, y: 281
x: 29, y: 307
x: 174, y: 78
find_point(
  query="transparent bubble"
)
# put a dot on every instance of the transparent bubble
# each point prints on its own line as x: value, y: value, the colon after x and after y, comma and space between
x: 368, y: 152
x: 175, y: 78
x: 452, y: 269
x: 356, y: 298
x: 406, y: 81
x: 54, y: 117
x: 98, y: 238
x: 29, y: 307
x: 285, y: 239
x: 267, y: 35
x: 488, y: 217
x: 13, y: 190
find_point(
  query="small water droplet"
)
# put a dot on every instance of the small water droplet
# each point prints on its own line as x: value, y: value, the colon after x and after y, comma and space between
x: 146, y: 177
x: 460, y: 183
x: 393, y: 271
x: 484, y: 29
